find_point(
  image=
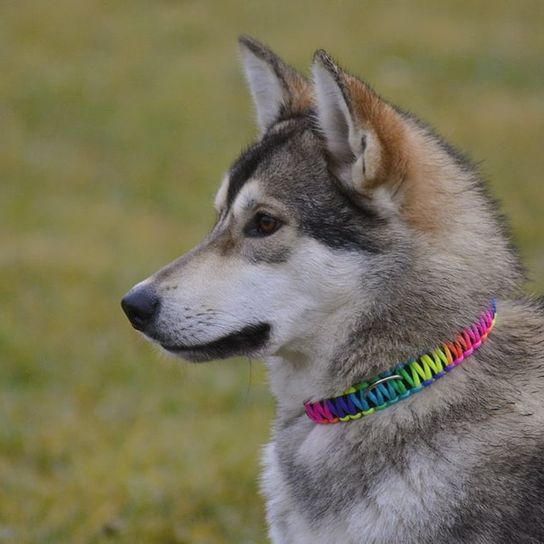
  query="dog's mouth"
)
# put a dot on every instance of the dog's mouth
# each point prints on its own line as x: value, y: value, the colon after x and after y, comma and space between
x: 246, y: 341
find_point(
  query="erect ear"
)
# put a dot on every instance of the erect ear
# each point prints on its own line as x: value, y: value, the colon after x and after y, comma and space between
x: 277, y: 89
x: 367, y: 139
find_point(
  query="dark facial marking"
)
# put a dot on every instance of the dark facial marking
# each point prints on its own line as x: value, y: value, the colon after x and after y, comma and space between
x: 242, y: 342
x: 363, y: 149
x: 347, y: 227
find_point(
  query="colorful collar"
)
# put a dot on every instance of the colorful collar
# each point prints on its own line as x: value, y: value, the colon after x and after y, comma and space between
x: 404, y: 379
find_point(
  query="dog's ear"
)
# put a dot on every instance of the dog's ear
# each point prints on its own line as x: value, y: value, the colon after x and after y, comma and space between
x: 366, y: 138
x: 277, y: 89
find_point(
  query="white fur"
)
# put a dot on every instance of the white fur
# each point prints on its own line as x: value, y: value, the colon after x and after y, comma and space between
x: 314, y: 280
x: 220, y: 199
x: 266, y: 89
x: 333, y: 113
x: 249, y: 195
x: 399, y: 505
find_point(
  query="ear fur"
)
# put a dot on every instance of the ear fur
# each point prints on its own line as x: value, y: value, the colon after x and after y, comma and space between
x: 276, y: 88
x: 366, y: 138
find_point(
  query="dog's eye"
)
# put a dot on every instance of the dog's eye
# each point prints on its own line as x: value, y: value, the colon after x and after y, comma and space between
x: 263, y: 225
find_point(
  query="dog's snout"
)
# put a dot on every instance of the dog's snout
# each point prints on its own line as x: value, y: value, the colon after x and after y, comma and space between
x: 140, y: 304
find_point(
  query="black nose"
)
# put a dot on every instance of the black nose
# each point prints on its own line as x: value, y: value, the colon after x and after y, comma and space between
x: 140, y: 304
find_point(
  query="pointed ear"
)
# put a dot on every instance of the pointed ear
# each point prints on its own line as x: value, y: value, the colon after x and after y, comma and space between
x: 277, y: 89
x: 366, y: 137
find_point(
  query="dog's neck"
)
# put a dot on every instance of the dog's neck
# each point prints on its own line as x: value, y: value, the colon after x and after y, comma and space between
x: 349, y: 353
x: 301, y: 371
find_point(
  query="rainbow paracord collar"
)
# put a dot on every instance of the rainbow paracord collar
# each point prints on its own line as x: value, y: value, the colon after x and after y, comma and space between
x: 404, y: 379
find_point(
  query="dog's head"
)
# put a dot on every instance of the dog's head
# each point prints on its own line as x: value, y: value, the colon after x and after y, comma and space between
x: 318, y: 221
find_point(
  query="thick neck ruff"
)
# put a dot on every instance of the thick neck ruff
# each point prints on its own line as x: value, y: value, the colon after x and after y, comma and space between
x: 404, y: 379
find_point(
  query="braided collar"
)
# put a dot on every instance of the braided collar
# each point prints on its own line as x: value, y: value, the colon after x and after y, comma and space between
x: 404, y: 379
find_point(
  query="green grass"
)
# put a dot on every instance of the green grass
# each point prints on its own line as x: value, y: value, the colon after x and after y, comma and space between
x: 117, y: 121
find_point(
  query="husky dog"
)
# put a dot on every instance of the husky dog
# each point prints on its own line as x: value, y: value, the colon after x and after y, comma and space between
x: 350, y: 238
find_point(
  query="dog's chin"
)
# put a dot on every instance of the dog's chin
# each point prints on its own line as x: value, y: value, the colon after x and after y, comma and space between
x: 248, y: 341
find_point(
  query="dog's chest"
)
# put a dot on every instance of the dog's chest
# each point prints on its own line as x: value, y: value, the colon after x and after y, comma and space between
x: 319, y: 493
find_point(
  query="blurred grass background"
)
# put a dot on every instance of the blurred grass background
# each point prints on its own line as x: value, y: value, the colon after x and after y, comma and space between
x: 117, y: 121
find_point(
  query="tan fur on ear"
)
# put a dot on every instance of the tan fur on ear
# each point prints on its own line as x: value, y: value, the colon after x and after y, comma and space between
x: 388, y: 163
x: 410, y: 162
x: 376, y: 147
x: 301, y: 93
x: 431, y: 183
x: 363, y: 132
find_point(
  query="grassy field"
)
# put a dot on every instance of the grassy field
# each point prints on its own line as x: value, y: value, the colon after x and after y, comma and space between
x: 117, y: 121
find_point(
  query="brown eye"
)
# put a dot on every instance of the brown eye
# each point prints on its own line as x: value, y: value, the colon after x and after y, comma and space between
x: 266, y: 224
x: 263, y: 225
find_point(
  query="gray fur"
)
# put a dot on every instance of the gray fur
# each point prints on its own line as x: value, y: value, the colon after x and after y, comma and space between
x: 460, y: 462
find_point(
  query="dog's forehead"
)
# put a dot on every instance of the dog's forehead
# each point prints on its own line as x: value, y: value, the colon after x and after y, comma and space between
x: 282, y: 162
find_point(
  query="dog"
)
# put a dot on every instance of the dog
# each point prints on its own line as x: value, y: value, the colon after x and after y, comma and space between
x: 361, y: 256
